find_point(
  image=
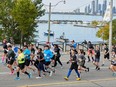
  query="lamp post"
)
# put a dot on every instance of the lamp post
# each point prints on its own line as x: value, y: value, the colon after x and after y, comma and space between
x: 110, y: 28
x: 49, y: 17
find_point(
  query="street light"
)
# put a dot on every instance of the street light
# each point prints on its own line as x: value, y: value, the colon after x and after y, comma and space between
x: 110, y: 29
x: 50, y: 17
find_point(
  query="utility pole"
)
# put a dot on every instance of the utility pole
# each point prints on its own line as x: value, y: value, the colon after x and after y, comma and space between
x: 110, y: 28
x: 49, y: 22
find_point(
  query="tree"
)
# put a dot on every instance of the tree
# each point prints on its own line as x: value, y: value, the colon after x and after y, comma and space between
x: 19, y: 17
x: 94, y: 23
x: 6, y: 21
x: 103, y: 32
x: 25, y: 13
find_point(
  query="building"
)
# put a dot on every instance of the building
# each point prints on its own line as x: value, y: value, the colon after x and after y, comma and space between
x: 93, y: 7
x: 86, y: 10
x: 114, y: 10
x: 89, y: 9
x: 104, y: 6
x: 97, y: 6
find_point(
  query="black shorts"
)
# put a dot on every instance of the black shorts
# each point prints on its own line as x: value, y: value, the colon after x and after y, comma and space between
x: 21, y: 66
x: 41, y: 66
x: 10, y: 62
x: 114, y: 64
x: 74, y: 66
x: 47, y: 63
x: 27, y: 62
x: 106, y: 56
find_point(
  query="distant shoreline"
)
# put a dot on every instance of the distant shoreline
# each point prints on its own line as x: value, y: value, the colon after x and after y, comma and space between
x: 72, y: 13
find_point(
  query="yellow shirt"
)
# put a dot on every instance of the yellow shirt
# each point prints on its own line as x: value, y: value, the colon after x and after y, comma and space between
x: 21, y: 58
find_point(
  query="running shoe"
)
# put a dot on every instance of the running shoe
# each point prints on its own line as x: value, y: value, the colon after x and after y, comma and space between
x: 102, y: 65
x: 114, y: 74
x: 98, y: 68
x: 51, y: 72
x: 38, y: 77
x: 17, y: 78
x: 11, y: 73
x: 78, y: 79
x: 88, y: 69
x: 54, y: 71
x: 61, y: 67
x: 30, y: 76
x: 66, y: 78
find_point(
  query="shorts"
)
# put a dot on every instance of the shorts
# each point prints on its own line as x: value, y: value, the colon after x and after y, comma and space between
x: 82, y: 63
x: 106, y: 56
x: 21, y: 66
x: 41, y: 66
x: 90, y: 51
x: 27, y: 62
x: 47, y: 63
x: 114, y: 64
x: 10, y: 62
x: 97, y: 59
x: 5, y: 51
x: 74, y: 66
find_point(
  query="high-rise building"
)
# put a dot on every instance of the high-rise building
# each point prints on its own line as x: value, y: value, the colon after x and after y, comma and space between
x: 93, y: 7
x: 89, y: 9
x: 100, y: 9
x: 114, y: 10
x: 97, y: 5
x: 104, y: 6
x: 86, y: 10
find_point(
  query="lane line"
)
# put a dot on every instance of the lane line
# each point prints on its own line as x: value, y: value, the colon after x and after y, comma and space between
x: 72, y: 82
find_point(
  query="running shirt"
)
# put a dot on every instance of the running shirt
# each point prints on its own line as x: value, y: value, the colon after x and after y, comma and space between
x: 27, y: 53
x: 48, y: 55
x: 21, y: 58
x: 40, y: 56
x: 97, y: 54
x: 11, y: 55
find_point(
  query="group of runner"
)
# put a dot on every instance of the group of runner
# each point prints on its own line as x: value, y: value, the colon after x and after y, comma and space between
x: 43, y: 60
x: 46, y: 60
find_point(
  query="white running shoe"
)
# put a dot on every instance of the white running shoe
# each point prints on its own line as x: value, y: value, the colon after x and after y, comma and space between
x: 38, y: 77
x: 51, y: 73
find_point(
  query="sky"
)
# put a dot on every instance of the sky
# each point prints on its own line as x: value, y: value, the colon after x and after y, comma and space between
x: 70, y: 4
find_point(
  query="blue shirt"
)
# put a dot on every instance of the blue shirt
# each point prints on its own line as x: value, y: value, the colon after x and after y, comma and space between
x: 48, y: 55
x: 74, y: 45
x: 27, y: 53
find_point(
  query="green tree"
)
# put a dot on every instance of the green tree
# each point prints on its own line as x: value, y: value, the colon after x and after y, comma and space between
x: 7, y: 23
x: 26, y: 13
x: 103, y: 32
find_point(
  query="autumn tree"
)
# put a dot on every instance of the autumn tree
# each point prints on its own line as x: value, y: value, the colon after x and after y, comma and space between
x: 103, y: 32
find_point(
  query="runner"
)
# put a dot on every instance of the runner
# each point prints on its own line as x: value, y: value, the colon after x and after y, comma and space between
x: 106, y: 54
x: 97, y: 58
x: 113, y: 63
x: 74, y: 44
x: 39, y: 63
x: 10, y: 58
x: 27, y: 54
x: 21, y: 64
x: 47, y: 57
x: 81, y: 61
x: 57, y: 55
x: 90, y: 51
x: 73, y: 61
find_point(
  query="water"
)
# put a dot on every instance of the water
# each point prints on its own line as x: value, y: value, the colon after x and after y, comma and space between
x: 71, y: 32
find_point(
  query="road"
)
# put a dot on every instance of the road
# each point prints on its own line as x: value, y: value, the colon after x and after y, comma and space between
x: 102, y: 78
